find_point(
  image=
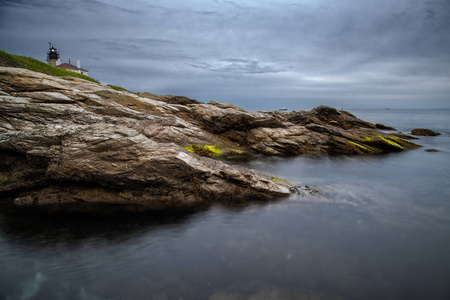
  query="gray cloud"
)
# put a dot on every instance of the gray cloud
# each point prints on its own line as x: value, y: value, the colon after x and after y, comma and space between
x: 364, y: 53
x: 235, y: 66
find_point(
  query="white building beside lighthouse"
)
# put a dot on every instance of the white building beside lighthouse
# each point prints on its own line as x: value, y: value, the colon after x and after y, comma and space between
x: 54, y: 60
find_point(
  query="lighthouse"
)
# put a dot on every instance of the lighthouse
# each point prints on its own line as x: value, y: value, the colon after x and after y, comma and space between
x: 54, y: 60
x: 53, y: 56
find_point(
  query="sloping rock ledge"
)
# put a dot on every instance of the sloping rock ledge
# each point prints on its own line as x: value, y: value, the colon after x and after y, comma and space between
x: 68, y: 141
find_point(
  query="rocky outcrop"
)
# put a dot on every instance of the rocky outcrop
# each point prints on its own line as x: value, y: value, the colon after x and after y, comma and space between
x: 384, y: 127
x: 171, y: 99
x: 424, y: 132
x: 69, y: 141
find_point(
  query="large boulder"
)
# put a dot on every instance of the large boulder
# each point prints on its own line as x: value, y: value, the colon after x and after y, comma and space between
x: 424, y: 132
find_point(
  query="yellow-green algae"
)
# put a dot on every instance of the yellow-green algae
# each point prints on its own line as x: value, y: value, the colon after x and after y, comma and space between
x: 205, y: 150
x: 212, y: 149
x: 278, y: 180
x: 403, y: 142
x: 398, y: 139
x: 390, y: 142
x: 237, y: 151
x: 388, y: 139
x: 360, y: 146
x: 395, y: 138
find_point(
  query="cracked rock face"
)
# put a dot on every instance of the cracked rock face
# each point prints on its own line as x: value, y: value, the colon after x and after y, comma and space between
x: 70, y: 141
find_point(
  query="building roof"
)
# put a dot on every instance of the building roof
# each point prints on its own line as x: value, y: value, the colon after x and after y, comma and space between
x: 71, y: 67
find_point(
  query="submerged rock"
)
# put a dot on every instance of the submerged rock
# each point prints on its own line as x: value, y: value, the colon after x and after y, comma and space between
x: 424, y: 132
x: 68, y: 141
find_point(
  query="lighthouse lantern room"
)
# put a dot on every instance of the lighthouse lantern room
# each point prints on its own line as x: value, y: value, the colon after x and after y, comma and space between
x: 53, y: 56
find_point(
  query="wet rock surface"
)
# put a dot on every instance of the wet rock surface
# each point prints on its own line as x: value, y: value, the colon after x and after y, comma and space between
x: 67, y: 140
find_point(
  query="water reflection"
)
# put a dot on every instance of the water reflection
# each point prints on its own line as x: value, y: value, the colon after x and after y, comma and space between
x: 281, y: 250
x: 50, y: 229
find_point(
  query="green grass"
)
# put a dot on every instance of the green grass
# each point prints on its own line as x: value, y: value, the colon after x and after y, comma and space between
x: 32, y: 64
x: 118, y: 88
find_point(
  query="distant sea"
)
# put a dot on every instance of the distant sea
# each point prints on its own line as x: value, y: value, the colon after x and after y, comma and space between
x: 381, y: 230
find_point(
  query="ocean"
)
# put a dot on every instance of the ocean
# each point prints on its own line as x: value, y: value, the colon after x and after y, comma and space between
x: 379, y: 230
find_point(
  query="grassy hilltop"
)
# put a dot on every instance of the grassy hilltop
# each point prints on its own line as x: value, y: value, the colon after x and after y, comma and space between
x: 17, y: 61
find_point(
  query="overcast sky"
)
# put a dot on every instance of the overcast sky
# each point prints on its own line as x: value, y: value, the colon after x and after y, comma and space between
x: 253, y: 53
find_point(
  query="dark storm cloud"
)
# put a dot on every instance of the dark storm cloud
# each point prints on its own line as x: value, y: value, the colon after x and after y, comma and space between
x: 360, y: 52
x: 92, y: 5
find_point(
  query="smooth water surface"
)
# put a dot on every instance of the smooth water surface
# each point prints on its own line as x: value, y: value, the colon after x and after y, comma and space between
x: 379, y: 230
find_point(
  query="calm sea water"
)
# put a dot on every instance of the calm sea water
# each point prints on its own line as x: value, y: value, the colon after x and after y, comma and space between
x: 380, y: 230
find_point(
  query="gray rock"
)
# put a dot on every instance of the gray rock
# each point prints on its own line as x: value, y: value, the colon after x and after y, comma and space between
x: 80, y: 145
x: 71, y: 141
